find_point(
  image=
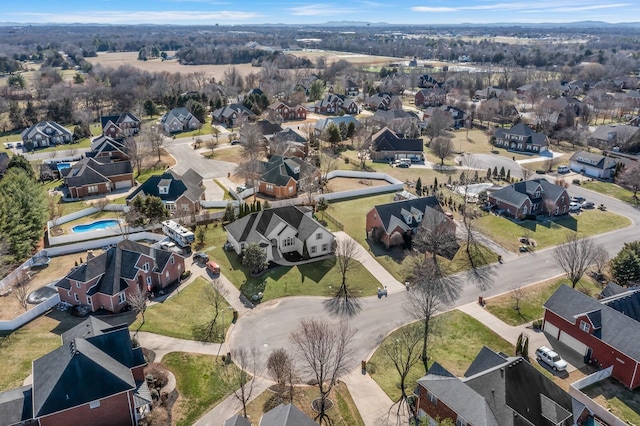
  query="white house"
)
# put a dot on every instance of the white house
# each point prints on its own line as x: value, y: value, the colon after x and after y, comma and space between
x: 593, y: 165
x: 281, y: 230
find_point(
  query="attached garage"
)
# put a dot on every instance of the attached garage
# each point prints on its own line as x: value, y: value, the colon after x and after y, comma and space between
x: 573, y: 343
x: 551, y: 329
x: 123, y: 184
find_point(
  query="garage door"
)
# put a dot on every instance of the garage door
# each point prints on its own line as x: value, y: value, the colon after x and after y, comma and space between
x: 123, y: 184
x: 551, y: 329
x: 573, y: 343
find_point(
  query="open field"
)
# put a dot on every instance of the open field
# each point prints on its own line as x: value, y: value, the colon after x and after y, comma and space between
x: 344, y: 413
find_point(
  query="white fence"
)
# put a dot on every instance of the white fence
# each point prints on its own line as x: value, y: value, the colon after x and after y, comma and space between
x: 100, y: 234
x: 596, y: 409
x: 36, y: 311
x: 210, y: 204
x: 363, y: 175
x: 72, y: 216
x: 360, y: 192
x: 95, y: 244
x: 15, y: 275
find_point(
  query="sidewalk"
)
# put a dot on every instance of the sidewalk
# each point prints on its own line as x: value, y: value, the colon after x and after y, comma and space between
x: 371, y: 401
x: 382, y: 275
x: 162, y: 345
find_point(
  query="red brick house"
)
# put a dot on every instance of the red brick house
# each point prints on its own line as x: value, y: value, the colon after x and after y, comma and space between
x: 120, y: 126
x: 285, y: 112
x: 284, y: 176
x: 496, y: 390
x: 94, y: 176
x: 105, y: 281
x: 430, y: 97
x: 95, y: 378
x: 531, y: 197
x: 406, y: 217
x: 605, y: 331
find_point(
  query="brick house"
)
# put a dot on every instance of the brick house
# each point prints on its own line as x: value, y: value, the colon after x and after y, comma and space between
x: 105, y: 281
x: 232, y: 115
x: 293, y: 143
x: 179, y: 120
x: 284, y: 176
x: 95, y: 378
x: 426, y: 81
x: 406, y: 217
x: 521, y: 138
x: 178, y: 193
x: 531, y: 197
x: 351, y: 88
x: 459, y: 116
x: 44, y: 134
x: 282, y: 111
x: 282, y: 230
x: 386, y: 145
x: 120, y: 126
x: 333, y: 104
x: 606, y: 331
x: 94, y: 176
x: 107, y: 147
x: 434, y: 96
x: 496, y: 390
x: 384, y: 101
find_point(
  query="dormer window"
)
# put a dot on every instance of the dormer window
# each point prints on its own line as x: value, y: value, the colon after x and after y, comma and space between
x: 409, y: 219
x: 419, y: 217
x: 584, y: 326
x: 163, y: 186
x: 536, y: 194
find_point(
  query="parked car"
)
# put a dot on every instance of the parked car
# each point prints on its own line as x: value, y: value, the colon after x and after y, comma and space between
x: 228, y: 246
x: 170, y: 246
x: 563, y: 169
x: 578, y: 199
x: 200, y: 257
x: 574, y: 207
x: 588, y: 205
x: 551, y: 358
x: 213, y: 267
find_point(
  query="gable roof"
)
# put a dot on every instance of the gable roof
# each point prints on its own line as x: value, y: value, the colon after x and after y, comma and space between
x: 16, y: 405
x: 594, y: 160
x: 286, y: 415
x: 118, y: 119
x: 104, y: 143
x: 387, y: 140
x: 90, y: 171
x: 391, y: 214
x: 228, y: 110
x: 323, y: 123
x: 189, y: 185
x: 181, y: 114
x: 92, y: 326
x: 525, y: 131
x: 41, y: 128
x: 485, y: 360
x: 570, y: 304
x: 266, y: 127
x: 280, y: 170
x: 516, y: 194
x: 237, y: 420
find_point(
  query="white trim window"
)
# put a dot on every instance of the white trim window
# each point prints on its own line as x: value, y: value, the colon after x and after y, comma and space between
x: 319, y: 236
x: 325, y: 247
x: 121, y: 298
x: 145, y: 267
x: 314, y: 249
x: 432, y: 398
x: 288, y: 242
x: 149, y: 282
x: 584, y: 326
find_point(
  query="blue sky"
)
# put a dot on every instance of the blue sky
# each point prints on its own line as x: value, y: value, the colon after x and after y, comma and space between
x: 207, y: 12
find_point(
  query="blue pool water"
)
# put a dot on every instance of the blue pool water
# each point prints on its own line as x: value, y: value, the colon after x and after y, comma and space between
x: 96, y: 226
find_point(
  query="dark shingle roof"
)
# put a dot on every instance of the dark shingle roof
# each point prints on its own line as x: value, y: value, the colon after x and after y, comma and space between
x: 278, y: 170
x: 89, y: 171
x: 390, y: 213
x: 485, y: 360
x: 594, y: 160
x: 16, y: 405
x: 570, y: 304
x: 188, y: 184
x: 521, y: 129
x: 92, y: 326
x: 387, y: 140
x: 286, y: 415
x: 517, y: 193
x: 237, y: 420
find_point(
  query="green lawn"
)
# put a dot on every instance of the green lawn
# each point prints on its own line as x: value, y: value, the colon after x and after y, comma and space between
x: 67, y: 207
x: 82, y: 143
x: 226, y: 196
x: 184, y: 315
x: 590, y: 222
x: 454, y: 343
x: 533, y: 297
x: 616, y: 398
x: 202, y: 382
x: 145, y: 174
x: 203, y: 132
x: 612, y: 190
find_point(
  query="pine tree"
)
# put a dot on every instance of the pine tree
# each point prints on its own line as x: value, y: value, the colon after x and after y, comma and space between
x: 419, y: 187
x: 435, y: 182
x: 495, y: 172
x: 502, y: 172
x: 509, y: 175
x: 489, y: 173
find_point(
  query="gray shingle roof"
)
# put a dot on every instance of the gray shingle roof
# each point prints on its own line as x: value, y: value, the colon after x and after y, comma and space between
x: 569, y: 304
x: 41, y: 128
x: 517, y: 193
x: 286, y: 415
x: 390, y: 214
x: 89, y: 171
x: 485, y: 360
x: 16, y: 405
x: 237, y: 420
x: 593, y: 160
x: 278, y: 170
x: 323, y: 123
x: 189, y: 185
x: 521, y: 129
x: 387, y: 140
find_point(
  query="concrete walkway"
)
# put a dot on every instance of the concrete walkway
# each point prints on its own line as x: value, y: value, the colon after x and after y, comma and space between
x: 370, y: 264
x: 162, y: 345
x: 371, y: 401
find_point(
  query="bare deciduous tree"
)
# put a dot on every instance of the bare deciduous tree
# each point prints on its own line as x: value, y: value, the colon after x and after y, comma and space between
x: 345, y: 301
x: 575, y: 256
x: 155, y: 139
x: 138, y: 300
x: 281, y: 367
x: 212, y: 143
x: 326, y: 353
x: 518, y: 294
x: 438, y: 122
x: 136, y: 150
x: 22, y: 287
x: 631, y: 180
x: 526, y: 173
x: 214, y: 296
x: 600, y: 259
x: 442, y: 148
x: 244, y: 377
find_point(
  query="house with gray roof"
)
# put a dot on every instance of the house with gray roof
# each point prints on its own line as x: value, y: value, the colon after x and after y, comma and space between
x: 604, y: 331
x: 593, y: 165
x: 530, y: 197
x: 282, y: 231
x: 286, y: 415
x: 496, y: 390
x: 104, y: 282
x: 120, y: 125
x: 521, y: 138
x: 387, y: 145
x: 284, y: 176
x: 323, y: 124
x: 92, y: 379
x: 44, y: 134
x: 394, y: 223
x: 104, y: 146
x: 177, y: 192
x: 97, y: 175
x: 179, y: 120
x: 232, y: 115
x: 621, y: 135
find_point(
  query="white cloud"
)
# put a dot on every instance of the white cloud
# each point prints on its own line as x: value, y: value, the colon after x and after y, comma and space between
x: 567, y: 6
x: 321, y: 10
x: 135, y: 17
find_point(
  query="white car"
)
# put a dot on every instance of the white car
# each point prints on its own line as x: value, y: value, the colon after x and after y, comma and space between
x: 551, y: 358
x: 574, y: 207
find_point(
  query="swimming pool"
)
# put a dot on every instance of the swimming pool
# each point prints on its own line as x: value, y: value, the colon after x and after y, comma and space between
x: 96, y: 226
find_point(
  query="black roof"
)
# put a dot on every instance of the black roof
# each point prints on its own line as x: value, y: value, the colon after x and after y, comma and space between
x: 266, y: 127
x: 278, y: 170
x: 92, y: 326
x: 387, y: 140
x: 485, y: 360
x: 189, y: 185
x: 90, y: 171
x: 387, y: 212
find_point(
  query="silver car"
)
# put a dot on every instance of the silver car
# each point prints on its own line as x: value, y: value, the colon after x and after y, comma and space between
x: 551, y: 358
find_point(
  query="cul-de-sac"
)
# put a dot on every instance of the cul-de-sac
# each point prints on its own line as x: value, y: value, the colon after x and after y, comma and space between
x: 293, y: 214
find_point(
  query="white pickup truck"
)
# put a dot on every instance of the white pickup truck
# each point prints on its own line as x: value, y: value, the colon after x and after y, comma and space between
x: 551, y: 358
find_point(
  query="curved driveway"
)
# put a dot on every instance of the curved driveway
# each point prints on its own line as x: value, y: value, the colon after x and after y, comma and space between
x: 188, y: 158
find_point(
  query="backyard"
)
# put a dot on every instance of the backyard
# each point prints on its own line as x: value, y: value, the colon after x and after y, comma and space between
x: 455, y: 340
x: 550, y: 233
x: 616, y: 398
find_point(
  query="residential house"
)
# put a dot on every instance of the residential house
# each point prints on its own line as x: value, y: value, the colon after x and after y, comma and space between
x: 605, y: 331
x: 499, y: 110
x: 282, y: 230
x: 120, y: 126
x: 284, y: 112
x: 351, y: 88
x: 388, y: 223
x: 531, y: 197
x: 106, y: 147
x: 458, y: 115
x: 323, y: 124
x: 490, y: 92
x: 434, y: 96
x: 179, y: 120
x: 333, y: 104
x: 427, y: 82
x: 284, y: 176
x: 232, y: 115
x: 521, y: 138
x: 496, y: 390
x: 385, y: 101
x: 623, y: 136
x: 265, y: 128
x: 290, y: 143
x: 593, y: 165
x: 99, y: 175
x: 178, y: 193
x: 105, y: 281
x: 398, y: 120
x: 303, y: 84
x: 395, y: 83
x: 386, y: 145
x: 282, y: 415
x: 95, y: 378
x: 44, y: 134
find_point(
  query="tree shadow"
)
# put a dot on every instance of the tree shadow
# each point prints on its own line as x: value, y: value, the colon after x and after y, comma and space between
x: 395, y: 253
x: 316, y: 271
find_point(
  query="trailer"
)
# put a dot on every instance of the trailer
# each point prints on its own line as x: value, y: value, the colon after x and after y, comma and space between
x: 178, y: 233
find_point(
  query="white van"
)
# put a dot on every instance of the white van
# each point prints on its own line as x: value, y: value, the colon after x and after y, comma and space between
x: 563, y: 169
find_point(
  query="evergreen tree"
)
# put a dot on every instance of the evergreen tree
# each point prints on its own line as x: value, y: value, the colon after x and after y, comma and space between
x: 419, y: 187
x: 625, y: 267
x: 495, y: 172
x: 229, y: 213
x: 435, y: 182
x: 489, y: 173
x: 20, y: 162
x: 509, y: 175
x: 502, y: 173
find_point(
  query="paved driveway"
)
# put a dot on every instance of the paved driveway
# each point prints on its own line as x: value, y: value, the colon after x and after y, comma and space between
x: 186, y: 158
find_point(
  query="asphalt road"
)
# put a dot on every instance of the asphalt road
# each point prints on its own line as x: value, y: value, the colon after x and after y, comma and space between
x: 268, y: 325
x: 186, y: 158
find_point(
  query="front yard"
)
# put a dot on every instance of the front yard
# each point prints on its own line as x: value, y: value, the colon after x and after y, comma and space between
x: 185, y: 315
x: 455, y: 340
x: 612, y: 190
x: 546, y: 234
